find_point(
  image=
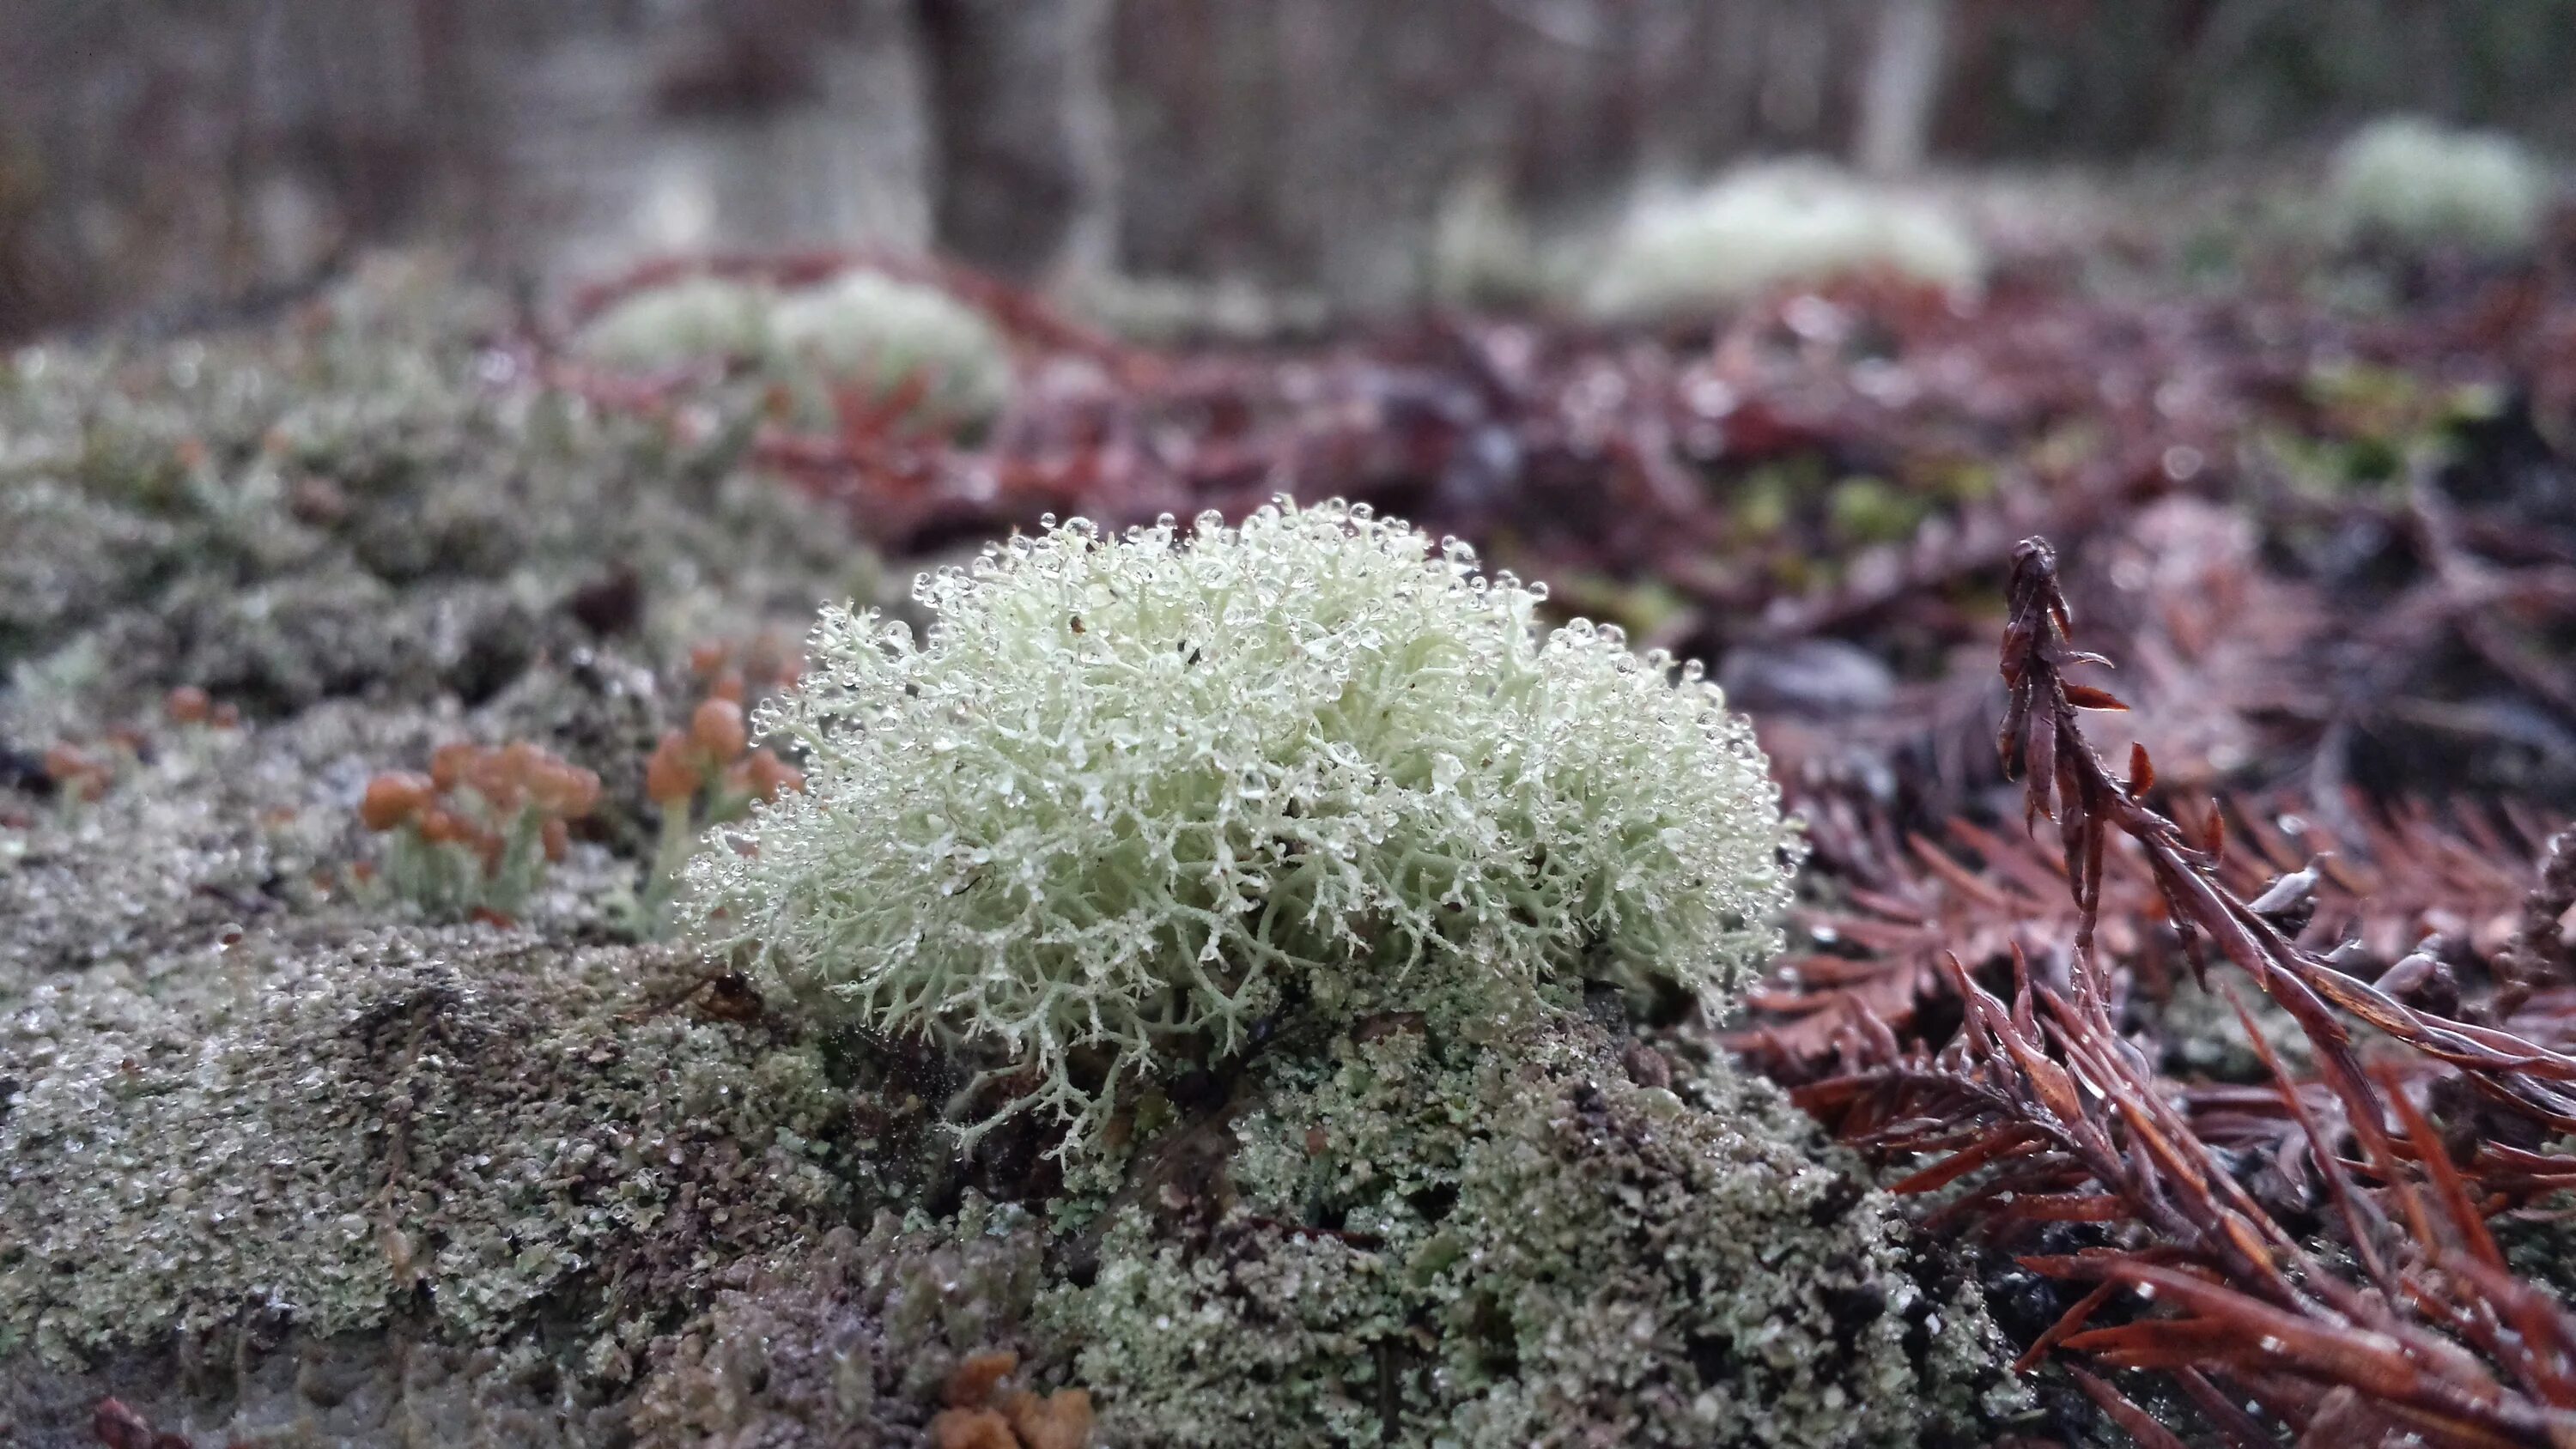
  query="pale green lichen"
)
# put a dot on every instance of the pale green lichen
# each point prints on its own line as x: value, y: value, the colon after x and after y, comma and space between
x: 1137, y: 794
x: 1451, y: 1231
x: 2205, y: 1038
x: 1765, y: 226
x: 2405, y: 180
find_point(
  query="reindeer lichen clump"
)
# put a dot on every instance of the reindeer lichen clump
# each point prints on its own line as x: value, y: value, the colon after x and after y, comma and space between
x: 864, y: 335
x: 1137, y: 796
x: 692, y: 320
x: 880, y: 337
x: 1768, y: 226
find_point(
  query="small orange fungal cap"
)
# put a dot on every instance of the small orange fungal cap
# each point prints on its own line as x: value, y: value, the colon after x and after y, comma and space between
x: 671, y: 776
x: 447, y: 764
x: 718, y: 729
x: 394, y: 798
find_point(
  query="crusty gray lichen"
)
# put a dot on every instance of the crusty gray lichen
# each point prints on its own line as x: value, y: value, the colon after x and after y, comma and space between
x: 851, y: 1344
x: 1476, y: 1233
x: 67, y: 558
x: 465, y: 1124
x: 211, y: 834
x: 357, y: 1391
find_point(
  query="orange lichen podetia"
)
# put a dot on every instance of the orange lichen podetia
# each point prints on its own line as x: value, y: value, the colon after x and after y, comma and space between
x: 1061, y: 1420
x: 472, y: 837
x: 769, y: 664
x: 394, y: 798
x: 972, y: 1429
x: 77, y: 773
x: 972, y: 1382
x: 188, y: 705
x: 718, y: 729
x: 702, y: 776
x: 985, y: 1411
x: 713, y: 756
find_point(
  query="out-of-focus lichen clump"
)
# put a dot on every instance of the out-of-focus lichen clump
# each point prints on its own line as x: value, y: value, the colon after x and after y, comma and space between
x: 703, y: 320
x: 1449, y: 1230
x: 863, y: 334
x: 1768, y: 226
x: 2407, y: 181
x: 466, y: 1125
x: 65, y: 559
x: 875, y: 335
x: 357, y: 507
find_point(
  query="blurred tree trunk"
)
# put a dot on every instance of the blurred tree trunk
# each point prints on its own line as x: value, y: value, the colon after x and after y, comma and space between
x: 1023, y: 141
x: 1901, y: 87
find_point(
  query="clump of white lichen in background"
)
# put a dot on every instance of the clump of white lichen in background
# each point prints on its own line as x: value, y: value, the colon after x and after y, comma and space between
x: 1767, y: 226
x: 1139, y: 796
x: 1481, y: 251
x: 876, y: 336
x: 863, y: 335
x: 1443, y: 1229
x: 2410, y: 183
x: 698, y: 319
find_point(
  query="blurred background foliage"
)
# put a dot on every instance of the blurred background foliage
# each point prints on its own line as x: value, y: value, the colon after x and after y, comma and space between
x: 177, y: 158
